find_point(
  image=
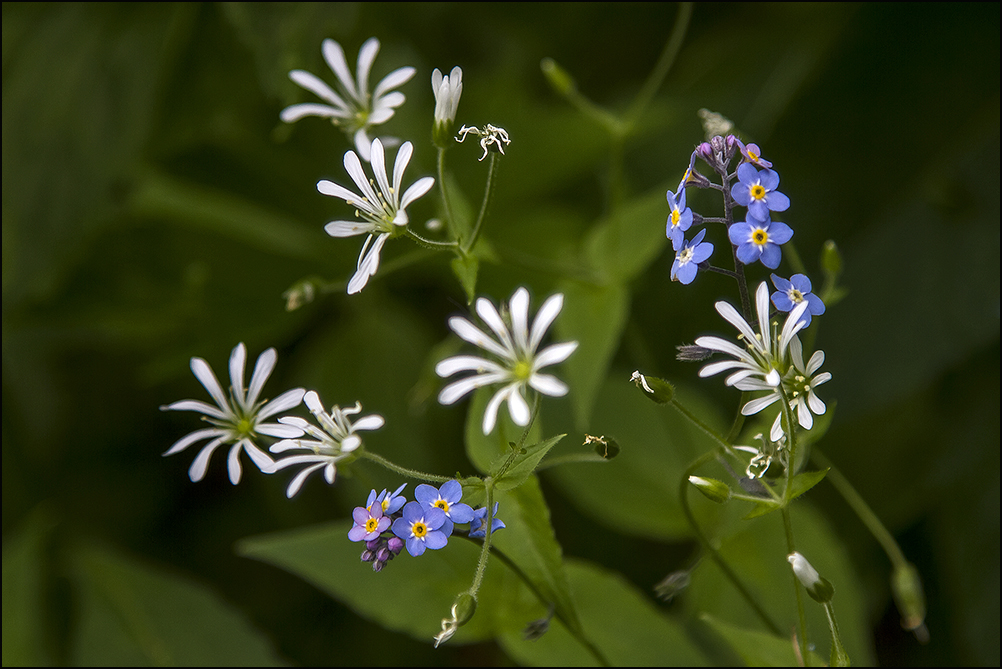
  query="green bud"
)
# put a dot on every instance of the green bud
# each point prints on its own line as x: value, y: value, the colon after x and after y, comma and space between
x: 656, y: 390
x: 831, y: 259
x: 714, y: 490
x: 464, y: 607
x: 906, y: 584
x: 558, y: 77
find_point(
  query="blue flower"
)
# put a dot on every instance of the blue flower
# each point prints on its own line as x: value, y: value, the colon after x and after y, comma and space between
x: 421, y: 528
x: 760, y: 240
x: 679, y: 219
x: 752, y: 154
x: 791, y: 293
x: 391, y: 503
x: 369, y: 523
x: 757, y: 191
x: 691, y: 254
x: 445, y: 499
x: 477, y: 529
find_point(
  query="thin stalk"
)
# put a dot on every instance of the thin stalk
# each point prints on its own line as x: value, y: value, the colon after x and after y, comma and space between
x: 661, y: 69
x: 488, y: 192
x: 801, y: 616
x: 702, y: 426
x: 450, y: 221
x: 404, y: 471
x: 791, y: 432
x: 431, y: 243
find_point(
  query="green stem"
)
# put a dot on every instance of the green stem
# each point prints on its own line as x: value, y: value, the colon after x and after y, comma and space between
x: 863, y: 510
x: 702, y: 426
x: 486, y: 549
x: 403, y: 471
x: 660, y: 71
x: 839, y: 657
x: 431, y: 243
x: 450, y: 222
x: 801, y: 617
x: 708, y: 547
x: 791, y: 444
x: 488, y: 192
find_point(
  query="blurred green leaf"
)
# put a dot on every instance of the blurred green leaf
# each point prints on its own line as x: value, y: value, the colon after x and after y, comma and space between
x: 465, y: 269
x: 801, y: 483
x: 131, y: 614
x: 24, y: 624
x: 757, y: 648
x: 618, y: 619
x: 483, y: 450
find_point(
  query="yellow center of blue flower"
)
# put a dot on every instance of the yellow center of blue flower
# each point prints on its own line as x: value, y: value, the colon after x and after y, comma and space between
x: 760, y: 237
x: 675, y: 216
x: 442, y: 504
x: 371, y: 524
x: 419, y: 529
x: 757, y: 191
x: 795, y: 296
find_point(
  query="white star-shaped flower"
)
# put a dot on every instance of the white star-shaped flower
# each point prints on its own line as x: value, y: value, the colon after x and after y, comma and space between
x: 329, y: 445
x: 237, y: 419
x: 382, y: 209
x: 353, y: 109
x: 518, y: 362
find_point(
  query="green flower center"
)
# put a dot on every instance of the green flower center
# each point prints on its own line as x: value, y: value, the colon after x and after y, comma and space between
x: 522, y: 370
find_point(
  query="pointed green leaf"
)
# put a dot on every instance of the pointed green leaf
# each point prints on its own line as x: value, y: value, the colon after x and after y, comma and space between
x: 804, y: 481
x: 485, y: 449
x: 524, y: 463
x: 465, y: 268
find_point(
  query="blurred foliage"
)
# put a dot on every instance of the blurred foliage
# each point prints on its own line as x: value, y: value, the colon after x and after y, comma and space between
x: 155, y: 209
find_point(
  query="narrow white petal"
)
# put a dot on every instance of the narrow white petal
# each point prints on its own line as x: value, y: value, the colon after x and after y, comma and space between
x: 715, y: 368
x: 773, y: 378
x: 334, y: 55
x: 367, y: 266
x: 380, y: 115
x: 416, y: 190
x: 312, y: 401
x: 756, y: 405
x: 544, y: 318
x: 724, y: 346
x: 518, y: 408
x: 299, y: 479
x: 814, y: 364
x: 196, y: 405
x: 353, y: 166
x: 793, y: 325
x: 294, y: 421
x: 458, y: 389
x: 399, y: 165
x: 197, y: 470
x: 370, y: 422
x: 377, y: 158
x: 395, y: 78
x: 330, y: 472
x: 551, y: 355
x: 491, y: 412
x: 207, y: 378
x: 262, y: 370
x: 362, y: 143
x: 466, y: 363
x: 824, y: 377
x: 349, y: 228
x: 278, y: 430
x: 189, y: 439
x: 233, y: 464
x: 336, y: 190
x: 489, y: 315
x: 284, y: 402
x: 518, y: 308
x: 258, y: 457
x: 318, y: 87
x: 776, y: 433
x: 293, y: 113
x: 732, y: 316
x: 815, y: 404
x: 350, y: 443
x: 471, y: 333
x: 548, y: 385
x: 803, y: 414
x: 762, y: 306
x: 238, y: 361
x: 366, y: 56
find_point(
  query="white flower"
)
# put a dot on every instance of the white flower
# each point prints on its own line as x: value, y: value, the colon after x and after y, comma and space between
x: 448, y: 90
x: 237, y: 418
x: 334, y: 442
x: 382, y: 208
x: 489, y: 135
x: 519, y: 363
x: 799, y: 384
x: 353, y: 108
x: 764, y: 352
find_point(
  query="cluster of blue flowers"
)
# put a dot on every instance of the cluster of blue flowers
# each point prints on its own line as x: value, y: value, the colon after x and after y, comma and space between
x: 388, y: 522
x: 756, y: 238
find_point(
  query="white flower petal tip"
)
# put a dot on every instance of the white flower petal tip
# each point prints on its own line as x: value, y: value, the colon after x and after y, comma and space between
x: 518, y: 364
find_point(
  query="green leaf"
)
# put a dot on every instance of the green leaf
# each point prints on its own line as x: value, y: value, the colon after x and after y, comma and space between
x: 525, y: 463
x: 484, y: 450
x: 624, y: 244
x: 131, y: 614
x: 804, y: 481
x: 24, y: 625
x: 593, y: 316
x: 618, y: 619
x: 757, y: 648
x: 465, y: 268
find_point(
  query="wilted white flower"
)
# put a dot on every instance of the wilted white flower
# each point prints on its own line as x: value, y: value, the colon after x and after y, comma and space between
x: 237, y: 419
x: 382, y: 208
x: 334, y: 442
x: 353, y: 109
x: 489, y: 135
x: 518, y: 364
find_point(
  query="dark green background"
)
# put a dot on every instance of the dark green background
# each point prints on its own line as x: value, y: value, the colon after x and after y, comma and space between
x: 155, y: 208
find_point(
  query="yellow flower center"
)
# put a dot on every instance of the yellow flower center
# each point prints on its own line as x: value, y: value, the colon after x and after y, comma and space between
x: 442, y: 504
x: 760, y: 237
x: 371, y: 524
x: 796, y: 296
x: 675, y: 216
x: 419, y: 529
x: 522, y: 370
x: 757, y: 191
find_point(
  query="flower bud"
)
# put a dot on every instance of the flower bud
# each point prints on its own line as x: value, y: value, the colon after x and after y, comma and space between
x: 818, y: 588
x: 831, y: 259
x: 712, y: 489
x: 559, y: 78
x: 657, y: 390
x: 462, y: 610
x: 908, y: 595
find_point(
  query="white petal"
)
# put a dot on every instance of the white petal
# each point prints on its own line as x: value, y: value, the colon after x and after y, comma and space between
x: 489, y: 315
x: 196, y: 405
x: 773, y: 378
x: 312, y: 401
x: 349, y: 228
x: 197, y: 470
x: 491, y: 412
x: 416, y: 190
x: 294, y: 421
x: 471, y: 333
x: 815, y: 403
x: 207, y: 378
x: 284, y: 402
x: 814, y: 364
x: 336, y: 190
x: 824, y: 377
x: 233, y: 463
x: 518, y: 408
x: 259, y: 457
x: 366, y: 56
x: 776, y: 433
x: 466, y: 363
x: 334, y: 55
x: 367, y: 266
x: 354, y: 168
x: 804, y: 415
x: 318, y: 87
x: 793, y: 325
x: 350, y: 443
x: 762, y: 306
x: 293, y: 113
x: 377, y: 159
x: 732, y: 316
x: 370, y: 422
x: 756, y: 405
x: 551, y: 355
x: 544, y: 318
x: 262, y: 370
x: 299, y: 479
x: 518, y: 308
x: 548, y: 385
x: 458, y: 389
x: 189, y: 439
x: 399, y: 165
x: 278, y: 431
x: 395, y: 78
x: 380, y: 115
x: 362, y: 143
